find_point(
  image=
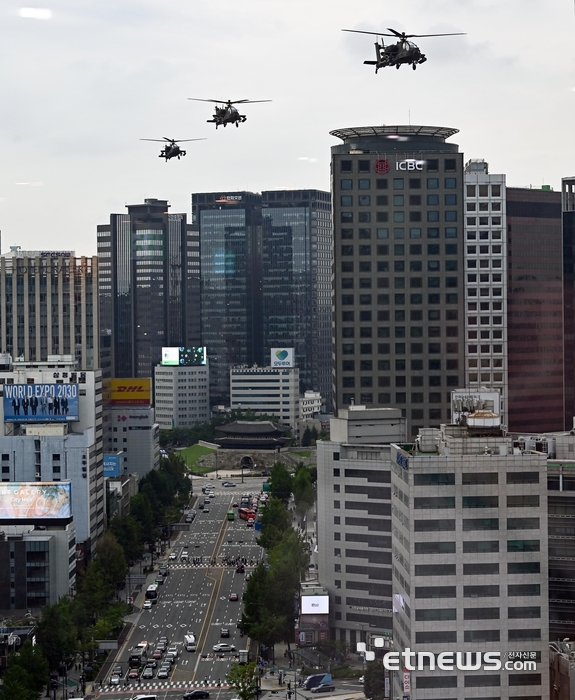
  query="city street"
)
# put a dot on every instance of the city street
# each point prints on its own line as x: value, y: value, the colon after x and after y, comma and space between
x: 195, y: 599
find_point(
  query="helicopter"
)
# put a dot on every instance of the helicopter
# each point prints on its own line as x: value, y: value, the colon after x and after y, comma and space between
x: 171, y: 148
x: 403, y: 51
x: 227, y: 114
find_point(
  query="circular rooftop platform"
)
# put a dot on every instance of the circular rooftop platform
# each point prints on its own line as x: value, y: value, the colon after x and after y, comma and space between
x: 391, y: 132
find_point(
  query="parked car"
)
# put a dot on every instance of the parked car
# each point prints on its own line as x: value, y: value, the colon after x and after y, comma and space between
x: 224, y: 647
x: 196, y: 695
x: 323, y: 688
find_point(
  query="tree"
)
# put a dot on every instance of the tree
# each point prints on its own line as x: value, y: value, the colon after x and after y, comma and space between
x: 276, y: 520
x: 142, y: 511
x: 128, y: 532
x: 314, y: 434
x: 15, y: 685
x: 56, y: 633
x: 243, y: 680
x: 303, y: 490
x: 306, y: 437
x: 111, y: 556
x: 27, y: 667
x: 94, y: 591
x: 374, y: 682
x: 280, y: 482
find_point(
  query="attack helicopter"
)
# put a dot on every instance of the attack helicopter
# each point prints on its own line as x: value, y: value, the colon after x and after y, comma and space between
x: 171, y: 148
x: 227, y: 114
x: 403, y: 51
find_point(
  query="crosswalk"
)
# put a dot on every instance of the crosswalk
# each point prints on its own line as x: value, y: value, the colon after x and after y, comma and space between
x: 167, y: 685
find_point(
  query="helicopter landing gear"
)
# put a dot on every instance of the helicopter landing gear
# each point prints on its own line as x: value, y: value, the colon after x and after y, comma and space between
x: 414, y: 66
x: 237, y: 124
x: 397, y: 65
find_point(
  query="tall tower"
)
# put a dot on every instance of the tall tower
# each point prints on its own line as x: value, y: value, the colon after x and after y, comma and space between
x: 398, y: 270
x: 266, y: 270
x: 149, y: 287
x: 568, y: 216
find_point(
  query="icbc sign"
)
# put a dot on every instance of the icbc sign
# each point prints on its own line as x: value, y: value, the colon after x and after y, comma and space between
x: 409, y: 164
x: 381, y: 166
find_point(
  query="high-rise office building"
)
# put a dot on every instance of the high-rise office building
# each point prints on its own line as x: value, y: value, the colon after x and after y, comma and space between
x: 535, y: 311
x: 398, y: 270
x: 568, y: 215
x: 266, y: 267
x: 485, y: 282
x: 469, y: 519
x: 296, y: 282
x: 149, y: 283
x: 49, y: 306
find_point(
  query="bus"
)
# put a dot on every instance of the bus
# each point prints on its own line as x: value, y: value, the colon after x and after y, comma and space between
x: 231, y: 515
x: 138, y: 657
x: 246, y: 513
x: 152, y: 592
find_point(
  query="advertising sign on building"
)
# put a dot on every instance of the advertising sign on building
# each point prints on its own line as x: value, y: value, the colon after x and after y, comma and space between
x: 282, y: 357
x: 406, y: 680
x: 184, y: 357
x: 35, y: 499
x: 40, y: 403
x: 130, y: 392
x: 464, y: 403
x: 112, y: 465
x: 315, y: 605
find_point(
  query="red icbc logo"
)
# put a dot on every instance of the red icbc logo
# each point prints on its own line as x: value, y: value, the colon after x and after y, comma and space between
x: 382, y: 166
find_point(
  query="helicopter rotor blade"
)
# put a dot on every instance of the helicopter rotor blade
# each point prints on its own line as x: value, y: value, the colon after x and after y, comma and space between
x: 404, y: 36
x: 199, y: 99
x: 186, y: 140
x: 359, y: 31
x: 159, y: 140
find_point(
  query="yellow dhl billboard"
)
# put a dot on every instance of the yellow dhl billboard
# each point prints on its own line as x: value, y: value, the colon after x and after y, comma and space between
x: 130, y: 392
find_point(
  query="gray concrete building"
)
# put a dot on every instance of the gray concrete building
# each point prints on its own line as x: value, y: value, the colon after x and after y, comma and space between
x: 398, y: 270
x: 354, y: 521
x: 181, y: 395
x: 469, y: 520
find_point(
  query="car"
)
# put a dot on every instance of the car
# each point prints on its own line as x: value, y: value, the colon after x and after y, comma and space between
x: 185, y: 554
x: 173, y: 650
x: 164, y: 672
x: 361, y: 679
x: 148, y: 672
x: 173, y: 556
x: 147, y: 605
x: 223, y: 647
x: 152, y: 663
x: 164, y: 570
x: 323, y: 688
x: 240, y: 569
x: 160, y: 581
x: 170, y: 659
x: 206, y: 510
x: 224, y: 632
x: 211, y: 494
x: 235, y: 505
x: 134, y: 673
x: 248, y: 576
x: 189, y: 518
x: 158, y: 653
x: 196, y: 695
x: 163, y: 640
x: 250, y: 522
x: 234, y: 596
x: 115, y: 679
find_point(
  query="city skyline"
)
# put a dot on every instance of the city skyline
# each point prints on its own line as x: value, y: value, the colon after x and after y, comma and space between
x: 83, y: 153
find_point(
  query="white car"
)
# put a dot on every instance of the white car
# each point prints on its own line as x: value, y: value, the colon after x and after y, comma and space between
x: 147, y: 605
x: 115, y: 679
x: 173, y: 556
x: 224, y: 647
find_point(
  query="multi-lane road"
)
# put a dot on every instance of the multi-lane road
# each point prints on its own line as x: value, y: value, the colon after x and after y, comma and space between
x: 195, y: 599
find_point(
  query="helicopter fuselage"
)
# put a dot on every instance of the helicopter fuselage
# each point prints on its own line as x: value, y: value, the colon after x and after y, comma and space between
x: 171, y: 151
x: 227, y: 115
x: 402, y: 52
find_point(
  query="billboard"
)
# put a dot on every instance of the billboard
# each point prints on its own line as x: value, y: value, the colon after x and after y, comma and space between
x: 467, y: 401
x: 40, y: 403
x: 112, y: 465
x: 35, y: 499
x: 130, y: 392
x: 282, y: 357
x: 315, y: 605
x: 184, y: 357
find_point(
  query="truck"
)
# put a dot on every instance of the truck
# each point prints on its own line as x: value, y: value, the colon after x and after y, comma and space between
x: 316, y: 679
x: 190, y: 642
x: 244, y: 655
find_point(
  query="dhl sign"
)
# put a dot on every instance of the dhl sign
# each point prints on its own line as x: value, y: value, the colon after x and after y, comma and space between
x: 130, y: 392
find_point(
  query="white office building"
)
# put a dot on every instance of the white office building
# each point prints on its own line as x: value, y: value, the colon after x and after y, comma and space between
x: 270, y: 390
x: 470, y: 570
x: 133, y: 431
x: 354, y: 520
x: 181, y: 395
x: 52, y: 442
x: 486, y: 281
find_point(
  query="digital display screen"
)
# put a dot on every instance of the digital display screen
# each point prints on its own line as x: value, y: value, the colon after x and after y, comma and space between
x: 184, y: 357
x: 35, y: 499
x: 40, y: 403
x: 315, y: 605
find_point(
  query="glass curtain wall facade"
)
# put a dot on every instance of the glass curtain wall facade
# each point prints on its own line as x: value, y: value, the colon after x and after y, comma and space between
x: 149, y: 286
x: 398, y: 270
x: 230, y: 235
x: 568, y: 206
x: 296, y: 278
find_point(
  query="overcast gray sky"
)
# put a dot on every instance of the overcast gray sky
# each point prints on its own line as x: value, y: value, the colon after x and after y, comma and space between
x: 81, y: 81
